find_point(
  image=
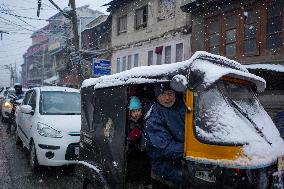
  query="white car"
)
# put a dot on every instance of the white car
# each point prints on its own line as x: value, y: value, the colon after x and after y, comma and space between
x: 48, y: 125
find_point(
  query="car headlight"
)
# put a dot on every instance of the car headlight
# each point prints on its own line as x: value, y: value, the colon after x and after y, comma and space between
x: 47, y: 131
x: 8, y: 105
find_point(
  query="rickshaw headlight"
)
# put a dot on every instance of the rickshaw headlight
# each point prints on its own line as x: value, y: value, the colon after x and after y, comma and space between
x: 8, y: 105
x: 47, y: 131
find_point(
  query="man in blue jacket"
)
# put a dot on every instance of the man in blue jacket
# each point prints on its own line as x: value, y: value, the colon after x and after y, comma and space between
x: 165, y: 134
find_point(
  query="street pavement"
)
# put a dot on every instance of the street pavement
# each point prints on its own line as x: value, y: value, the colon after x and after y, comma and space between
x: 15, y: 172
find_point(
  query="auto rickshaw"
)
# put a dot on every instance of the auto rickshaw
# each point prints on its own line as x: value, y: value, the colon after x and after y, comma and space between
x: 230, y: 141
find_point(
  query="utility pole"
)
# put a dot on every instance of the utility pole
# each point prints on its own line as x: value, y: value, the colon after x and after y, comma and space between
x: 73, y: 17
x: 1, y: 33
x: 42, y: 67
x: 76, y: 40
x: 16, y: 75
x: 12, y: 77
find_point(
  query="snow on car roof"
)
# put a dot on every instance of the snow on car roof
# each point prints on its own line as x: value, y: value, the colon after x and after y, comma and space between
x: 272, y: 67
x: 213, y: 68
x: 56, y: 88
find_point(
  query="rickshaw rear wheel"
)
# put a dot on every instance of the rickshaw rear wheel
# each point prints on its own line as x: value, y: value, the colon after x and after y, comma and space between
x: 88, y: 185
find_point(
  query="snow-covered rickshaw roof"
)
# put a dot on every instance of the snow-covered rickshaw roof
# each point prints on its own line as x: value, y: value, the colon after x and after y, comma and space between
x: 211, y: 67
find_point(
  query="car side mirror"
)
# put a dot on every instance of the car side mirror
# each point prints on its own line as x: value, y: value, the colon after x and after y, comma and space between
x: 179, y: 83
x: 27, y: 109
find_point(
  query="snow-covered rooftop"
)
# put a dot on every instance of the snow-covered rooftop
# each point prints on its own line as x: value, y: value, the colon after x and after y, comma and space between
x: 272, y: 67
x: 213, y: 67
x: 51, y: 80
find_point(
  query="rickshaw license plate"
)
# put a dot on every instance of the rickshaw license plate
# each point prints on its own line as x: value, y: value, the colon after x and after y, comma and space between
x: 281, y: 163
x: 77, y: 150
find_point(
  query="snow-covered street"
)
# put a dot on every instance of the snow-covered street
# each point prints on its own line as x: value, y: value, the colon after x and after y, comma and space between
x: 15, y: 172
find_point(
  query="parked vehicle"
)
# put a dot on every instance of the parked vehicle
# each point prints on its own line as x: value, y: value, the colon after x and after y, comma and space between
x: 230, y: 141
x: 3, y: 95
x: 9, y: 103
x: 48, y: 125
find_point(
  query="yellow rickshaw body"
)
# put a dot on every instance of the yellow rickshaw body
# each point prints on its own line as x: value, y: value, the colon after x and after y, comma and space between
x: 195, y: 149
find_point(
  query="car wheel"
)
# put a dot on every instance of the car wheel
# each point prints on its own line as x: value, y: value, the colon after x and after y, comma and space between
x: 89, y: 185
x: 18, y: 140
x: 33, y: 158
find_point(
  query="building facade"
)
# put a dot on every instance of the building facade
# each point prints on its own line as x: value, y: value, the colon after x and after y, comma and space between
x: 48, y: 60
x: 34, y: 59
x: 148, y: 33
x: 61, y: 44
x: 250, y: 32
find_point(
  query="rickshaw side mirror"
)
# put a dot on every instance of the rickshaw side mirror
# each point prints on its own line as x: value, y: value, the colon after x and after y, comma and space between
x: 179, y: 83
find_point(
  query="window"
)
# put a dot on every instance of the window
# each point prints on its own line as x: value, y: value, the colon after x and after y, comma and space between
x: 32, y: 101
x: 118, y: 65
x: 60, y: 103
x: 166, y: 9
x: 122, y: 25
x: 274, y: 25
x: 159, y: 51
x: 179, y: 52
x: 150, y: 58
x: 214, y: 39
x: 27, y: 98
x: 251, y: 29
x: 159, y: 59
x: 168, y: 50
x: 129, y: 62
x: 136, y: 59
x: 123, y: 63
x: 248, y: 31
x: 141, y: 18
x: 231, y: 33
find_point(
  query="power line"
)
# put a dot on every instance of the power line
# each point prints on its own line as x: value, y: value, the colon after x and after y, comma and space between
x: 26, y: 8
x: 20, y: 33
x: 42, y: 19
x: 12, y: 59
x: 17, y: 42
x: 13, y: 23
x: 18, y: 18
x: 44, y: 4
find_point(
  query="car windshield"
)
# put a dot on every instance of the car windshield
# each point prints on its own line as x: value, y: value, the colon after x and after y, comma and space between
x: 60, y: 103
x: 228, y: 113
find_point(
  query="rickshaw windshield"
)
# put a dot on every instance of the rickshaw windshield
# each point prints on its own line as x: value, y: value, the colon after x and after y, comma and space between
x: 229, y: 113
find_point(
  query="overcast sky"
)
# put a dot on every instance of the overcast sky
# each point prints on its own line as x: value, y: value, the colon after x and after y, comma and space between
x: 15, y: 44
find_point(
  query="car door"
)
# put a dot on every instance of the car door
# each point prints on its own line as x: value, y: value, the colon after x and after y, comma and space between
x: 21, y: 119
x: 28, y: 118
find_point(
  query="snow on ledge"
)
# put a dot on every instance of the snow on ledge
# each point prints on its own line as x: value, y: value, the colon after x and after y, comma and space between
x: 272, y: 67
